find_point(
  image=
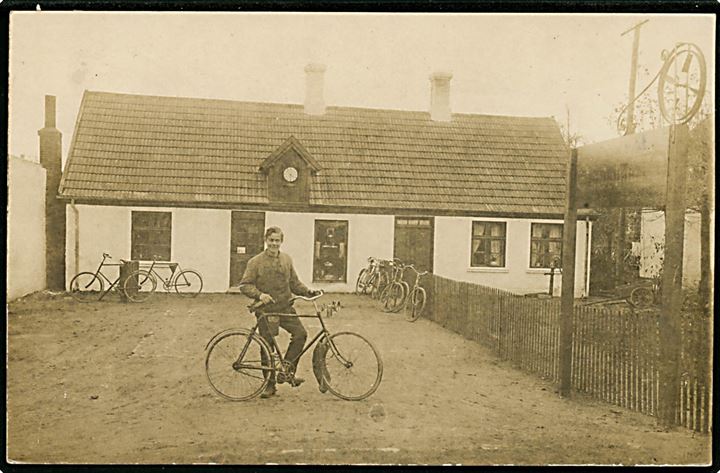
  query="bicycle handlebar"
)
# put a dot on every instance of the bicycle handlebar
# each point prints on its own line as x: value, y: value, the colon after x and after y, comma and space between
x: 257, y: 304
x: 310, y: 299
x: 412, y: 266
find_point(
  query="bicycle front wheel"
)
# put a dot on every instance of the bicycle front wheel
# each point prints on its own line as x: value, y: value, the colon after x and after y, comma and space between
x: 416, y: 304
x: 353, y: 368
x: 86, y: 287
x: 361, y: 281
x: 238, y: 365
x: 139, y: 285
x: 392, y: 297
x: 188, y: 283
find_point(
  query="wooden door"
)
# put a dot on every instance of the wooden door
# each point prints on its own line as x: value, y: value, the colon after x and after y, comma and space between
x: 246, y: 240
x: 414, y: 241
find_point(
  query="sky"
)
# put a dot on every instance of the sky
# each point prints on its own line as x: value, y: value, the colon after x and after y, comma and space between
x: 502, y: 64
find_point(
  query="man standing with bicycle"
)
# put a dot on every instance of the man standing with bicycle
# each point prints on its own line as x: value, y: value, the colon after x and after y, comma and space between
x: 270, y: 278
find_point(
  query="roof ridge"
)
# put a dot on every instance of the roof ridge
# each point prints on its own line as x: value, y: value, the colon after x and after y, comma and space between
x: 349, y: 108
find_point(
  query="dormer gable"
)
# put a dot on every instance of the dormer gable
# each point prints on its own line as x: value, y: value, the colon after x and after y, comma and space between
x: 289, y: 169
x: 294, y: 144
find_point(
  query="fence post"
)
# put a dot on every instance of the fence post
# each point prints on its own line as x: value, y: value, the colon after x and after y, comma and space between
x: 568, y: 278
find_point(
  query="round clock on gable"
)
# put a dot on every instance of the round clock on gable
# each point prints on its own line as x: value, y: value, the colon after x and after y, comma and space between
x: 290, y: 174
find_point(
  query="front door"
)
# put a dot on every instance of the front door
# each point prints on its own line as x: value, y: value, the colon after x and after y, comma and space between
x: 246, y: 240
x: 414, y: 241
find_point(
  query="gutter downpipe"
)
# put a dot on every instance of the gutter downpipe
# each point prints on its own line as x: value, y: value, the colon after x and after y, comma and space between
x: 76, y: 242
x: 588, y: 252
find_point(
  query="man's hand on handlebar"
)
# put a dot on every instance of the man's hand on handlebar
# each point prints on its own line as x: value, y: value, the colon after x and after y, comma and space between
x: 315, y: 293
x: 266, y: 299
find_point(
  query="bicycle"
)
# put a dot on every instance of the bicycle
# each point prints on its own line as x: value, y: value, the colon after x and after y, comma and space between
x: 380, y: 279
x: 415, y: 301
x: 394, y: 294
x: 235, y: 368
x: 142, y: 283
x: 365, y: 275
x: 86, y: 286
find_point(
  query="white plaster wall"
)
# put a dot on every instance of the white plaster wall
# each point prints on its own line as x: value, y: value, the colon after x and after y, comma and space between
x: 101, y: 229
x: 452, y: 256
x: 200, y: 240
x: 652, y: 244
x: 25, y: 228
x: 368, y: 235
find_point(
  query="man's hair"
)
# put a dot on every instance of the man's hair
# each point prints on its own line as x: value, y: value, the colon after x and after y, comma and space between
x: 270, y: 230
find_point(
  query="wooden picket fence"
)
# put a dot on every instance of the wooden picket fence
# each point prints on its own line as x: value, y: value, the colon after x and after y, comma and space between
x: 615, y: 353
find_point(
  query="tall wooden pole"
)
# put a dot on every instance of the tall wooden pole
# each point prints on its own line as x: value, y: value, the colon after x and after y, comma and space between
x: 567, y: 304
x: 629, y: 130
x: 672, y: 276
x: 630, y: 117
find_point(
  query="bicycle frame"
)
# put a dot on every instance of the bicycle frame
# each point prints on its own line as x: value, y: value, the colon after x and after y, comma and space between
x: 167, y: 283
x: 324, y: 332
x: 98, y: 272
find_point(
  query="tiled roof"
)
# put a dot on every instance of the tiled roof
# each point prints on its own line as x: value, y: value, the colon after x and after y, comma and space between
x: 183, y: 150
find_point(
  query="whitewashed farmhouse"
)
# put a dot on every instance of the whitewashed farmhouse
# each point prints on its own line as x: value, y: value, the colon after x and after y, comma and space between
x: 470, y: 197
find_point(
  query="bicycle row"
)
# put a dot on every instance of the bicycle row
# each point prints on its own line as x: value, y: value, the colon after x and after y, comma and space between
x: 384, y: 280
x: 137, y: 286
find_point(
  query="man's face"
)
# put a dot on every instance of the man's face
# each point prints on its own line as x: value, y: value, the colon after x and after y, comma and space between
x: 273, y: 242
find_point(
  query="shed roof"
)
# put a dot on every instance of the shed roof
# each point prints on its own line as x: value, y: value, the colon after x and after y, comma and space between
x: 201, y: 151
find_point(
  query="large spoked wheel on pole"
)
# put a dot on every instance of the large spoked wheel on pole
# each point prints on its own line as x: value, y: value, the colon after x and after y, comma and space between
x: 415, y: 306
x: 86, y: 287
x: 361, y: 282
x: 188, y: 283
x: 139, y: 285
x: 353, y: 368
x: 234, y: 365
x: 392, y: 297
x: 683, y: 79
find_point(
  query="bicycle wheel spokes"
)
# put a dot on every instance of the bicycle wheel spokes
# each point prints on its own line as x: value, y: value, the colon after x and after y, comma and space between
x: 353, y: 368
x: 139, y: 285
x: 234, y: 365
x: 86, y: 287
x: 416, y: 304
x: 188, y: 283
x: 394, y: 297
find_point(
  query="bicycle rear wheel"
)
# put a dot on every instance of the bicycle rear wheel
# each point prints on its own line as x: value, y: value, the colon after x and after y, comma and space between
x: 416, y: 304
x: 234, y: 365
x: 139, y: 285
x: 86, y: 287
x: 188, y: 283
x: 353, y: 368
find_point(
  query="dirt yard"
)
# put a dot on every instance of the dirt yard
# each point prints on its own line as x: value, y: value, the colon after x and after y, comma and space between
x: 110, y: 382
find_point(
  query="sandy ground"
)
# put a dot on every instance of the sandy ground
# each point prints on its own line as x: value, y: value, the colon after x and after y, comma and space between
x: 110, y: 382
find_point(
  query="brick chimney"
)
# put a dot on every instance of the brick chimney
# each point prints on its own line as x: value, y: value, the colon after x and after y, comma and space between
x: 314, y: 85
x: 440, y: 97
x: 51, y: 160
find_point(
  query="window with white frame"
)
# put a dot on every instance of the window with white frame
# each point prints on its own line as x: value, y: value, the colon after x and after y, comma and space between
x: 546, y: 245
x: 488, y: 245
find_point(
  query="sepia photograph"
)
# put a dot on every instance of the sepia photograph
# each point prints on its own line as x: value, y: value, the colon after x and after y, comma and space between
x: 334, y: 238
